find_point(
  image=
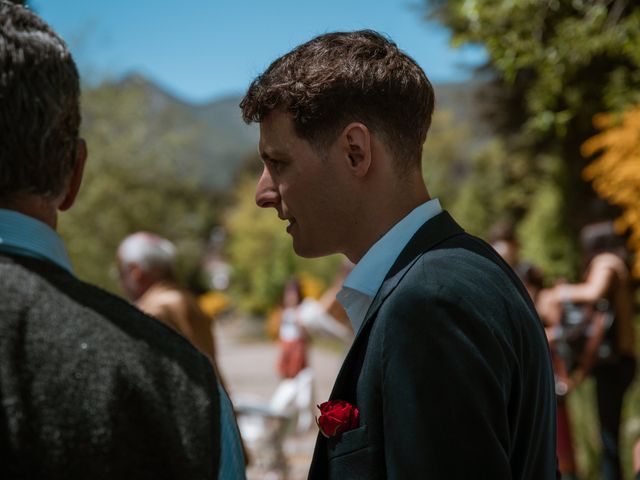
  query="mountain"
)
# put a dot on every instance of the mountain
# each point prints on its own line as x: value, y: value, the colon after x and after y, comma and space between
x: 219, y: 142
x: 223, y: 144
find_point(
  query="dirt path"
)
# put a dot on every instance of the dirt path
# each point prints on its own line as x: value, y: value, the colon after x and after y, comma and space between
x: 249, y: 370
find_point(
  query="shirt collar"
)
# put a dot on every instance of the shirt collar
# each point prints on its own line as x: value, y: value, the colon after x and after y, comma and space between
x: 369, y: 273
x: 24, y: 235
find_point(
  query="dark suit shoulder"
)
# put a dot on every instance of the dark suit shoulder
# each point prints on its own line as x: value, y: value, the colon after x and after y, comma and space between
x: 462, y: 288
x: 462, y: 267
x: 40, y: 293
x: 461, y: 330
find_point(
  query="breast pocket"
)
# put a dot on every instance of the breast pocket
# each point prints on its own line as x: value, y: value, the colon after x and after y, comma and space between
x: 350, y: 455
x: 348, y: 442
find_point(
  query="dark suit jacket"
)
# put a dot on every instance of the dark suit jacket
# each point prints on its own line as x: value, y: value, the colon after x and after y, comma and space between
x: 91, y: 388
x: 450, y: 371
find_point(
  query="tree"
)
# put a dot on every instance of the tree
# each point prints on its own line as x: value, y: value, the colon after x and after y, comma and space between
x: 136, y: 178
x: 482, y: 183
x: 498, y: 189
x: 615, y: 173
x: 552, y: 65
x: 444, y: 157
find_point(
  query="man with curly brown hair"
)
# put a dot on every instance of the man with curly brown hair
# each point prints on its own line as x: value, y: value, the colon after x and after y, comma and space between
x: 450, y: 371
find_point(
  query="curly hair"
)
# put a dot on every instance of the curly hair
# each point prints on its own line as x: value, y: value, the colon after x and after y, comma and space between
x: 40, y: 114
x: 342, y: 77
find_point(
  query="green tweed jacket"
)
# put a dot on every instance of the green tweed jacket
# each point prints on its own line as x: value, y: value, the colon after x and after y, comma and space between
x: 91, y: 388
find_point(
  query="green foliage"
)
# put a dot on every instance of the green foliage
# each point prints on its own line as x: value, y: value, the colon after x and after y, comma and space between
x: 444, y: 157
x: 500, y: 188
x: 584, y: 430
x: 544, y: 240
x: 261, y: 255
x: 554, y: 65
x: 135, y: 179
x: 485, y: 184
x: 566, y: 49
x: 494, y: 189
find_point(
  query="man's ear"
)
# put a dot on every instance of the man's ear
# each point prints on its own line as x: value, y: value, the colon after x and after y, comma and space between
x: 76, y: 176
x: 136, y: 272
x: 356, y: 141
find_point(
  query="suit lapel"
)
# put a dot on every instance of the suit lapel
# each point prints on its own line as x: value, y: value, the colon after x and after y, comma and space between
x: 434, y: 231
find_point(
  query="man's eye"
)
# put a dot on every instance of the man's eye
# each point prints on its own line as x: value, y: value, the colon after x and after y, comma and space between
x: 275, y: 165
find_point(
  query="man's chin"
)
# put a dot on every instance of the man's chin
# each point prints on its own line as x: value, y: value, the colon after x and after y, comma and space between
x: 309, y: 251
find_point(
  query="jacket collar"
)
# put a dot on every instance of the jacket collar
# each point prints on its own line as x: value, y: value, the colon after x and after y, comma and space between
x: 430, y: 234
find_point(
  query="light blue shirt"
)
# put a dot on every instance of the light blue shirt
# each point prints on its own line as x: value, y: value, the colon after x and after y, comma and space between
x: 364, y: 281
x: 26, y: 236
x: 231, y: 454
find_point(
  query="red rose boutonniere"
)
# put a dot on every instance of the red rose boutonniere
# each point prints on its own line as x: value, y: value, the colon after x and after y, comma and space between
x: 337, y: 416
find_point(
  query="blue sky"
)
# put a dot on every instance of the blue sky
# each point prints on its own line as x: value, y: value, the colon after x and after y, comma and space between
x: 200, y: 50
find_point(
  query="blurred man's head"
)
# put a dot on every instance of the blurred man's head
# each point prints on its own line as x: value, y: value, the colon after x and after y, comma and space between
x: 144, y: 259
x: 40, y: 114
x: 503, y: 239
x: 601, y: 237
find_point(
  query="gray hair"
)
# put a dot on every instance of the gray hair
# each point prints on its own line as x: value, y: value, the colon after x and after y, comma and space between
x: 147, y: 250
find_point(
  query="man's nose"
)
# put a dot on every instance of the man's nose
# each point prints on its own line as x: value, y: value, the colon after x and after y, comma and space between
x: 266, y: 192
